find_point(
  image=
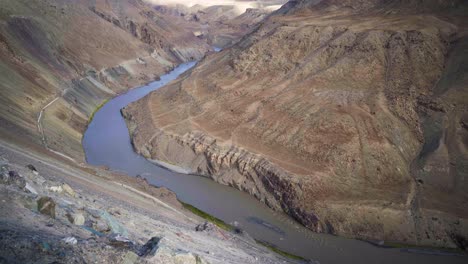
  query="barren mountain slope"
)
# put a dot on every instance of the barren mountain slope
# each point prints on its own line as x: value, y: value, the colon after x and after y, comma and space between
x: 219, y: 25
x: 67, y: 57
x: 351, y: 116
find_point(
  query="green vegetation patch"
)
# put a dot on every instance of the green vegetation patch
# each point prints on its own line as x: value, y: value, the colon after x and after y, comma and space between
x: 423, y: 247
x: 220, y: 223
x: 97, y: 109
x: 279, y: 251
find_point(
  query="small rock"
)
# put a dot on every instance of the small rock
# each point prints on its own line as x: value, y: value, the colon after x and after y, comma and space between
x: 4, y: 169
x: 115, y: 211
x: 17, y: 179
x: 101, y: 226
x: 130, y: 258
x: 206, y: 226
x: 46, y: 206
x: 238, y: 231
x: 57, y: 189
x: 113, y: 224
x: 32, y: 168
x: 76, y: 218
x: 94, y: 232
x: 68, y: 190
x: 94, y: 212
x: 30, y: 203
x: 12, y: 178
x: 119, y: 241
x: 70, y: 240
x: 30, y: 189
x: 150, y: 247
x: 169, y: 255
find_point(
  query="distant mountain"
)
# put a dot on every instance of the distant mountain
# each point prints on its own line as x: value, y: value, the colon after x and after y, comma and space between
x: 219, y: 25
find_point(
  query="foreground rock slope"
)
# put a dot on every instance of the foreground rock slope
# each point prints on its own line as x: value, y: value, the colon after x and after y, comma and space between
x: 53, y: 211
x: 350, y: 116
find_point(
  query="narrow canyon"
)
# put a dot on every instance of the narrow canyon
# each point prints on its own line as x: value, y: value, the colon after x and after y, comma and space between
x: 233, y: 131
x: 350, y: 116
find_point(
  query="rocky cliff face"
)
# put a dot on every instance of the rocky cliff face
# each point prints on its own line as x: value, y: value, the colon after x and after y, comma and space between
x: 349, y: 116
x: 61, y: 59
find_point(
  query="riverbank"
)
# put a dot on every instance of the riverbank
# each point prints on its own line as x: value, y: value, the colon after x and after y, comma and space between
x: 95, y: 207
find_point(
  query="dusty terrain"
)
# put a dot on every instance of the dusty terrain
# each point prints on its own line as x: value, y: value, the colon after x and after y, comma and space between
x: 106, y: 217
x: 350, y: 116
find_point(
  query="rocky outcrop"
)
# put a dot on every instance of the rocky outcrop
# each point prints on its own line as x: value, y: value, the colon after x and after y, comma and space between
x: 46, y: 206
x: 330, y: 118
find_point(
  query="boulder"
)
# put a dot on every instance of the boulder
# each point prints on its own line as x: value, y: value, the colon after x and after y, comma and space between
x: 114, y: 226
x: 101, y: 226
x: 169, y: 256
x: 206, y: 226
x: 46, y: 206
x: 129, y: 258
x: 150, y: 248
x: 30, y: 189
x: 97, y: 222
x: 68, y: 190
x: 11, y: 177
x: 119, y: 241
x: 57, y: 189
x: 16, y: 179
x: 76, y: 218
x: 70, y: 240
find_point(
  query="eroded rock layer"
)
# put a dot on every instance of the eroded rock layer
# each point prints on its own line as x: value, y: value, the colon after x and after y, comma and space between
x: 348, y: 115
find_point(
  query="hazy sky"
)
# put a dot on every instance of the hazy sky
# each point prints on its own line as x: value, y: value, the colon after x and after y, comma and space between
x: 242, y: 4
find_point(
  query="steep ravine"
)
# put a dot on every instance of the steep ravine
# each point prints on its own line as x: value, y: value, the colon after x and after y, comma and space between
x: 326, y: 129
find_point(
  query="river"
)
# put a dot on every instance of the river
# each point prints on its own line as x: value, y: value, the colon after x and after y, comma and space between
x: 107, y: 142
